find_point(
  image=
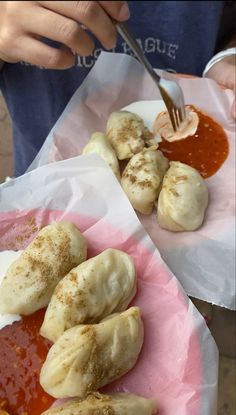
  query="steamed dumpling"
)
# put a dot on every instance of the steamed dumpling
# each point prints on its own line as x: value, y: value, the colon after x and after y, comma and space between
x: 31, y: 279
x: 163, y: 127
x: 96, y: 288
x: 87, y: 357
x: 99, y: 144
x: 183, y: 199
x: 127, y: 134
x: 142, y: 178
x: 112, y: 404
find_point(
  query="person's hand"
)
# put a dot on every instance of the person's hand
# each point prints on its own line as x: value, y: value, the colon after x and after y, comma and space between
x: 23, y: 24
x: 223, y: 72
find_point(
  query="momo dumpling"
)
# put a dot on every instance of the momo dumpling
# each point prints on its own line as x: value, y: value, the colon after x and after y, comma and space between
x: 30, y: 280
x: 111, y: 404
x: 141, y: 179
x: 183, y: 199
x: 95, y: 289
x: 163, y: 126
x: 99, y: 144
x: 87, y: 357
x: 127, y: 133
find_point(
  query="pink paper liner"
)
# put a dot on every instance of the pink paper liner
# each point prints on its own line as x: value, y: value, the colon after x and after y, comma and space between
x: 170, y: 365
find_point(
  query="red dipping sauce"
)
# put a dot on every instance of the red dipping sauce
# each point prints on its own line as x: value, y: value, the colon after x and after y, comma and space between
x: 206, y: 150
x: 22, y: 353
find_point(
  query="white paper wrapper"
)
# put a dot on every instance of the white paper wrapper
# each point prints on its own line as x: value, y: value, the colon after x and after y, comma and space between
x: 179, y: 361
x: 203, y: 261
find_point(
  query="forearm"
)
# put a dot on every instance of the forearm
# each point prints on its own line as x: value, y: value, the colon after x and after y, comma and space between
x: 226, y: 52
x: 222, y: 68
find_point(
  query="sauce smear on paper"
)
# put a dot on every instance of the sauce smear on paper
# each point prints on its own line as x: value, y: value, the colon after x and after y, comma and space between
x: 206, y: 150
x: 22, y: 353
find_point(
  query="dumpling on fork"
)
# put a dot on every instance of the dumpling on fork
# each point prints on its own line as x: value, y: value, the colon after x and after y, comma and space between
x: 31, y: 279
x: 95, y: 289
x: 113, y: 404
x: 127, y: 134
x: 163, y: 127
x: 87, y: 357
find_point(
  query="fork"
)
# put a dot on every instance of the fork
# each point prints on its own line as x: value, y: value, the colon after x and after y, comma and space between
x: 170, y: 91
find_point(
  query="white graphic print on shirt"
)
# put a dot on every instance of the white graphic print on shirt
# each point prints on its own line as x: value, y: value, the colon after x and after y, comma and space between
x: 148, y: 45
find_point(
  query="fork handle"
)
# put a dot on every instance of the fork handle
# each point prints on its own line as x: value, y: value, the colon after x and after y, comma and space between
x: 134, y: 46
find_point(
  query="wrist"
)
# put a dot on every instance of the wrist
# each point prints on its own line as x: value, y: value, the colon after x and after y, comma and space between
x: 218, y: 57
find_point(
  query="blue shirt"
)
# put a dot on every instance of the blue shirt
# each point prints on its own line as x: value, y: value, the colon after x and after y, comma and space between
x: 175, y: 35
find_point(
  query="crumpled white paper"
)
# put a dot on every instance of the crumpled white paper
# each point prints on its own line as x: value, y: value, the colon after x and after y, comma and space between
x: 203, y: 261
x: 179, y: 361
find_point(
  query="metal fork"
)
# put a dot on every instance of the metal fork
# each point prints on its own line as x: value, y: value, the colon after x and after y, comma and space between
x: 171, y: 92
